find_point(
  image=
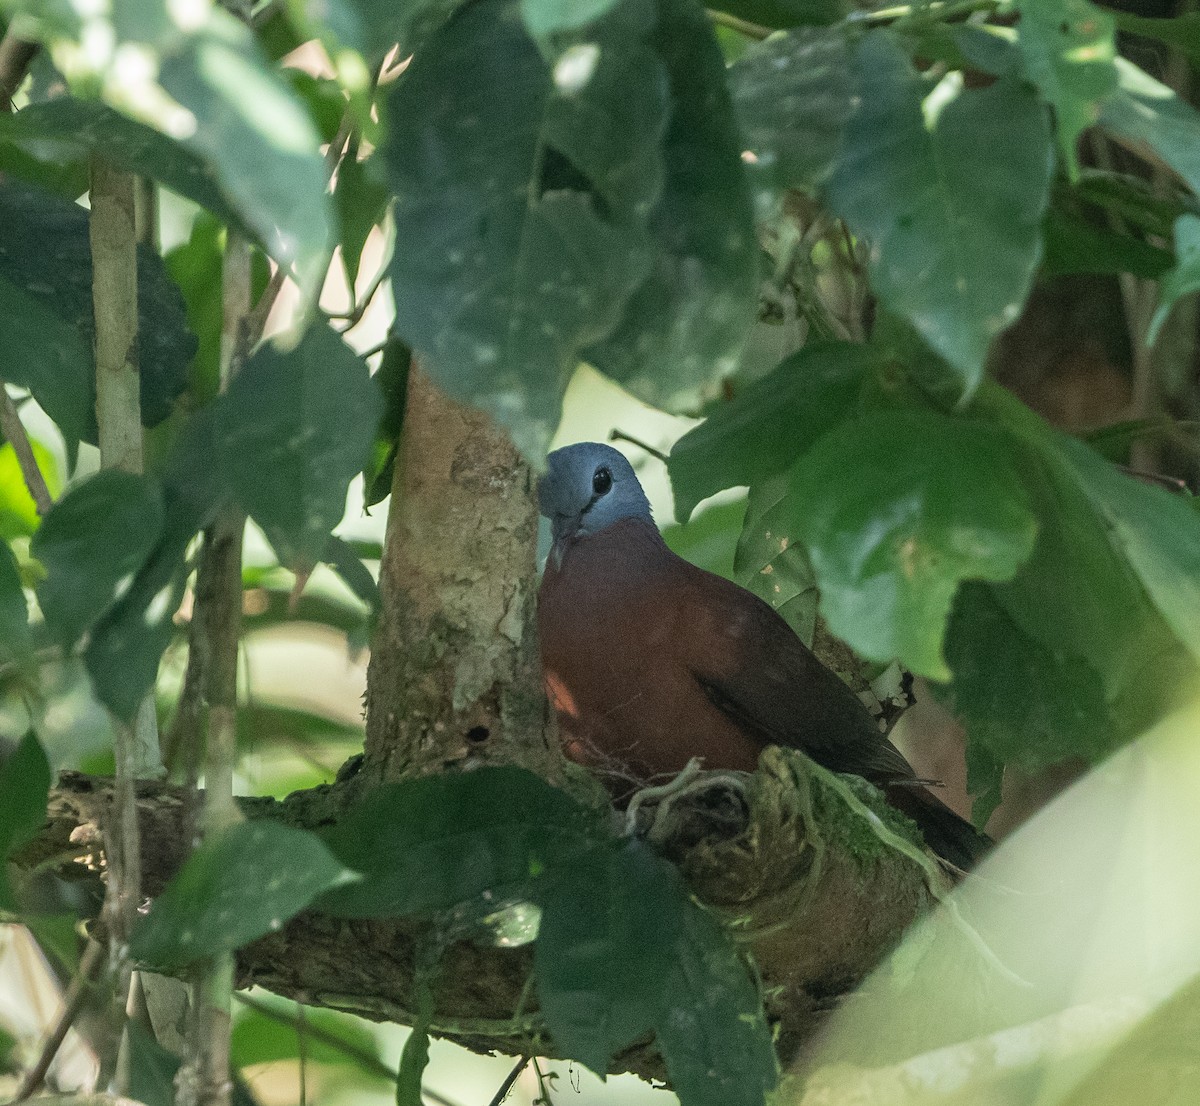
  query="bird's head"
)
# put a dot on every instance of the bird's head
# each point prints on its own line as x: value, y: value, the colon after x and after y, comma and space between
x: 586, y: 488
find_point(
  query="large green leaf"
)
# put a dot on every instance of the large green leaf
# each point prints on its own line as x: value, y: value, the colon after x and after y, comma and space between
x: 1155, y: 532
x: 1182, y: 32
x: 1022, y: 701
x: 766, y: 426
x: 685, y: 327
x: 950, y: 186
x: 45, y: 252
x: 203, y: 83
x: 1075, y: 245
x: 18, y: 512
x: 242, y: 883
x: 127, y: 643
x: 435, y: 843
x: 49, y: 356
x: 67, y: 128
x: 24, y: 786
x: 522, y: 198
x: 714, y: 1039
x: 1069, y: 49
x: 291, y: 432
x: 608, y: 936
x: 893, y: 526
x: 92, y: 543
x: 793, y: 94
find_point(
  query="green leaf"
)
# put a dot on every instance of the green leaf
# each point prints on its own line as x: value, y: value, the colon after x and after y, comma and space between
x: 291, y: 432
x: 18, y: 512
x: 392, y: 378
x: 545, y: 18
x: 434, y: 843
x: 1022, y: 702
x: 1155, y: 532
x: 16, y: 642
x: 1184, y: 279
x: 709, y: 539
x: 126, y: 644
x: 766, y: 426
x: 1074, y: 245
x: 1182, y: 32
x: 685, y: 326
x: 712, y: 1033
x: 362, y: 200
x: 1146, y: 112
x: 66, y: 128
x: 893, y: 526
x: 1069, y: 52
x: 24, y: 788
x: 348, y: 565
x: 92, y: 543
x: 787, y: 13
x: 240, y: 884
x: 48, y: 356
x: 46, y: 253
x: 793, y: 94
x: 771, y: 561
x: 950, y: 186
x: 260, y: 1039
x: 522, y: 198
x: 152, y: 1068
x: 608, y: 937
x: 204, y: 84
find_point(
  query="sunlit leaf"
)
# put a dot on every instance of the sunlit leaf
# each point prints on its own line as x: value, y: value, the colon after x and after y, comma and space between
x: 240, y: 884
x: 1069, y: 50
x: 18, y: 512
x: 892, y: 527
x: 949, y: 185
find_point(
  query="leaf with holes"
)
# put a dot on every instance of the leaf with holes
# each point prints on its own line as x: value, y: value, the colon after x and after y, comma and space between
x: 522, y: 202
x: 949, y: 185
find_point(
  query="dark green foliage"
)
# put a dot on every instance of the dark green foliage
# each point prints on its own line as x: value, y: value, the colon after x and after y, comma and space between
x: 46, y: 258
x: 290, y: 433
x: 241, y: 883
x: 24, y: 785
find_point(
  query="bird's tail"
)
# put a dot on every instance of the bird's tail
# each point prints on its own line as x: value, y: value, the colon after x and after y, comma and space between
x: 952, y: 837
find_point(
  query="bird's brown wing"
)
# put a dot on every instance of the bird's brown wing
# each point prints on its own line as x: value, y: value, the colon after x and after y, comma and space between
x: 758, y: 673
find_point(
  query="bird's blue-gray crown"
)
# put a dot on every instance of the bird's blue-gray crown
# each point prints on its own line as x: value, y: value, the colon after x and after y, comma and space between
x: 588, y: 487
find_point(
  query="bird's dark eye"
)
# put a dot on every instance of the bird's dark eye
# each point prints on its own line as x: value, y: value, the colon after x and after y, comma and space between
x: 602, y: 481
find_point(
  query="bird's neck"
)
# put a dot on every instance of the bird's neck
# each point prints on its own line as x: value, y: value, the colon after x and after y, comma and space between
x: 635, y: 537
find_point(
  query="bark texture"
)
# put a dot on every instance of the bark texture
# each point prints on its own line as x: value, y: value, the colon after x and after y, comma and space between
x: 455, y: 674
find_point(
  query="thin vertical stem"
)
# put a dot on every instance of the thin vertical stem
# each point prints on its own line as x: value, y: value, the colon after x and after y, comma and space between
x: 219, y: 609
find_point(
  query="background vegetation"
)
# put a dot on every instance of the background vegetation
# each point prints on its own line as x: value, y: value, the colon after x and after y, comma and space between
x: 924, y: 274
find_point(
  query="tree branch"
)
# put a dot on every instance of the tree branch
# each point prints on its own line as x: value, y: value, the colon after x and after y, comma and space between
x: 778, y: 851
x: 15, y: 432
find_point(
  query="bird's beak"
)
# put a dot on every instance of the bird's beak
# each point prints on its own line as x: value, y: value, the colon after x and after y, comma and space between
x: 563, y: 528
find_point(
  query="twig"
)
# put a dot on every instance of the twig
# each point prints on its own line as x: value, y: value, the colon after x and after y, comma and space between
x: 621, y: 436
x: 543, y: 1093
x: 113, y: 239
x: 16, y: 54
x: 742, y: 26
x: 73, y: 1000
x: 14, y: 430
x: 218, y: 618
x: 502, y: 1092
